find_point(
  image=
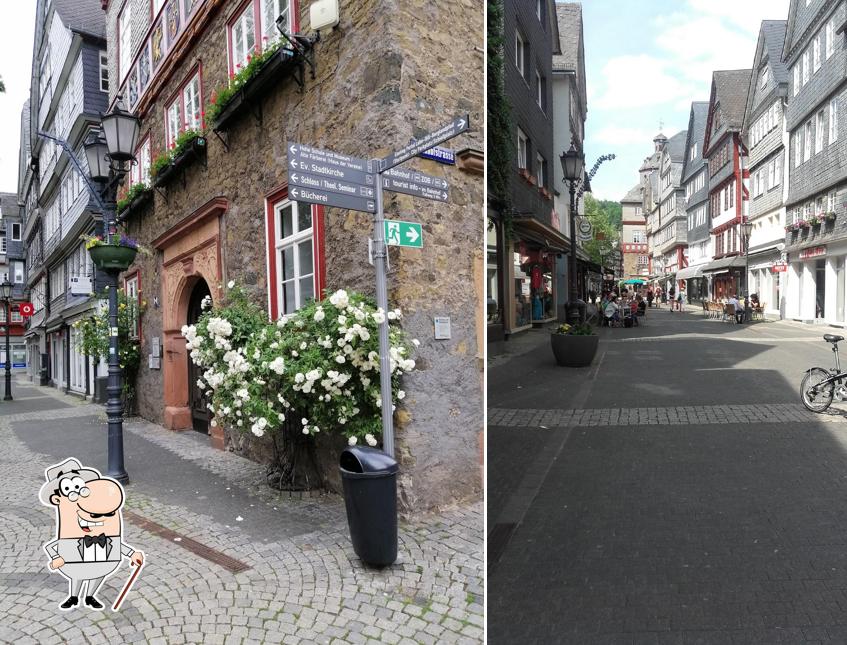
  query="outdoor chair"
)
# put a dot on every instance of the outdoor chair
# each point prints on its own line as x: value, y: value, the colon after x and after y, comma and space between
x: 729, y: 313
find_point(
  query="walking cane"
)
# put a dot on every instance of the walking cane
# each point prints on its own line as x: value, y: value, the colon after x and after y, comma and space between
x: 127, y: 587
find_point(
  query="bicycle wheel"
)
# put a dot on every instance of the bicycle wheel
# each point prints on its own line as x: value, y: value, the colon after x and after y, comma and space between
x: 815, y: 398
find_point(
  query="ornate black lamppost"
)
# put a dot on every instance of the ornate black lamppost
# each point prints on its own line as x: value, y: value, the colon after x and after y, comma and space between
x: 6, y: 298
x: 746, y: 231
x: 573, y: 165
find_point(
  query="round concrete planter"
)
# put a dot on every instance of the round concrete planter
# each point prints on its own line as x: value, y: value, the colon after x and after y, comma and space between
x: 112, y: 256
x: 574, y: 351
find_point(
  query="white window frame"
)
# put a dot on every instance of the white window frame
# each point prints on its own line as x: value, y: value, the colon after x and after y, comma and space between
x: 539, y: 91
x: 819, y: 127
x: 833, y: 120
x: 523, y: 149
x: 816, y: 53
x: 520, y: 47
x: 540, y: 167
x: 3, y: 244
x: 796, y: 78
x: 16, y: 238
x: 293, y: 242
x: 807, y: 140
x: 269, y: 10
x: 104, y: 72
x: 777, y: 170
x: 177, y: 118
x: 141, y: 171
x: 131, y: 289
x: 239, y: 51
x: 124, y: 41
x: 805, y: 67
x: 830, y: 38
x: 798, y: 147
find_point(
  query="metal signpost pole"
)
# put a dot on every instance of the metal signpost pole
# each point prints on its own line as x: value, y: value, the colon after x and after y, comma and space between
x: 380, y: 261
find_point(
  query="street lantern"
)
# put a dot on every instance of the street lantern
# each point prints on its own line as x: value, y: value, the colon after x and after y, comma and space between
x: 747, y: 229
x: 746, y: 232
x: 573, y: 164
x: 97, y: 155
x: 6, y: 297
x: 121, y: 131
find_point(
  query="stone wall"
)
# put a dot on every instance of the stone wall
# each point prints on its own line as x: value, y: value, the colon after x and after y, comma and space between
x: 388, y: 72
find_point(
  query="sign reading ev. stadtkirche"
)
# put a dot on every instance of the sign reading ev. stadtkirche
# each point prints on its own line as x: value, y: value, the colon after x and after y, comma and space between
x: 407, y: 234
x: 326, y: 163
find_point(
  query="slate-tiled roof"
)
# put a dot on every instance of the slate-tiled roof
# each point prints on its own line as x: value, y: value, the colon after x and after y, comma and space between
x: 571, y: 50
x: 86, y: 16
x: 676, y: 146
x: 774, y: 34
x: 731, y: 92
x: 9, y: 204
x: 697, y: 127
x: 633, y: 195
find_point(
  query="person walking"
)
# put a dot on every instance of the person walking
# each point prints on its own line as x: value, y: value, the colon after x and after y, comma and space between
x: 680, y: 298
x: 672, y: 295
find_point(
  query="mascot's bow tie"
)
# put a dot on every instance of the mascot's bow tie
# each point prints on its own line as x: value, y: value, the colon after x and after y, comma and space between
x: 91, y: 539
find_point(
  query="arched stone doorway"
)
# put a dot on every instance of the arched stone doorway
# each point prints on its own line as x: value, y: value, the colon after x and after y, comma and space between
x: 192, y: 257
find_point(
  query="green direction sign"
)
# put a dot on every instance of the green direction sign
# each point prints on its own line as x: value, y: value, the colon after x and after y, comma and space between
x: 403, y: 234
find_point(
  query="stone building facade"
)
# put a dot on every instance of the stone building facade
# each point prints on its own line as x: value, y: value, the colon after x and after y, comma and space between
x: 816, y: 61
x: 635, y: 260
x: 728, y: 175
x: 218, y: 219
x: 765, y: 136
x: 695, y: 184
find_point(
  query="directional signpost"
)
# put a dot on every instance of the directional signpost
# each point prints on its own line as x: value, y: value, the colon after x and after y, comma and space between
x: 328, y: 178
x: 403, y: 234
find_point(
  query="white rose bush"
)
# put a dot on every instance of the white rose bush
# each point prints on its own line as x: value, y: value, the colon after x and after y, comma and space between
x: 319, y: 365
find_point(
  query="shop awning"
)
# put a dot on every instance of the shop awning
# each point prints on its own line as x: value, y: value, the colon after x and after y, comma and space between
x: 534, y: 230
x: 690, y: 272
x: 725, y: 264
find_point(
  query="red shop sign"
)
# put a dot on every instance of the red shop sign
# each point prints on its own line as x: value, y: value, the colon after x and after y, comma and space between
x: 778, y: 268
x: 814, y: 252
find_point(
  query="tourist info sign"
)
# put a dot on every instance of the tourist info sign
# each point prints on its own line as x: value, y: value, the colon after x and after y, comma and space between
x: 424, y: 143
x: 417, y: 184
x: 407, y: 234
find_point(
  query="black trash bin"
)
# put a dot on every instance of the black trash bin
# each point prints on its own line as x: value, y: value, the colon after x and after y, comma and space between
x: 369, y: 477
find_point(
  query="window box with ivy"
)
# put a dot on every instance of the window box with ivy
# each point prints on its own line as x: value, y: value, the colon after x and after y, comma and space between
x: 251, y: 83
x: 189, y: 147
x: 136, y: 199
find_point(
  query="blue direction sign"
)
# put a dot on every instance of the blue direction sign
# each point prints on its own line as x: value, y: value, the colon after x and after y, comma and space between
x: 326, y: 163
x: 430, y: 140
x: 328, y: 184
x: 337, y: 200
x: 441, y: 155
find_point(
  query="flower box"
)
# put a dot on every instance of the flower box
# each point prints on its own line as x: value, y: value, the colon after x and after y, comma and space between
x: 112, y: 257
x: 829, y: 217
x: 193, y: 151
x: 135, y: 204
x: 255, y: 88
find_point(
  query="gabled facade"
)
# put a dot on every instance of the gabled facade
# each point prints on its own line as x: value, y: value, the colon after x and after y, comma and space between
x: 765, y: 137
x: 695, y: 186
x: 226, y: 213
x: 728, y: 174
x: 670, y: 238
x: 815, y: 57
x: 648, y: 178
x: 68, y: 93
x: 12, y: 269
x: 634, y: 235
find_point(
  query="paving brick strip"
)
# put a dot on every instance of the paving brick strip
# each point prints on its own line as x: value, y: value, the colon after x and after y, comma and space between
x: 302, y: 586
x: 684, y: 415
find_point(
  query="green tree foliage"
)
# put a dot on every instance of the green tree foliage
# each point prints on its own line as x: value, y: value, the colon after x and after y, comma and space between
x: 605, y: 218
x: 499, y: 148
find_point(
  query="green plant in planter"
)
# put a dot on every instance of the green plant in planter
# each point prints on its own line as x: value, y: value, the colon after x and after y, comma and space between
x: 136, y: 190
x: 183, y: 141
x: 221, y: 96
x: 579, y: 329
x: 322, y: 361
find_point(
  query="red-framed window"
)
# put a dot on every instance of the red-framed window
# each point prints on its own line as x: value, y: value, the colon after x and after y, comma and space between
x: 184, y: 111
x: 295, y: 253
x: 132, y: 289
x: 140, y: 172
x: 253, y: 25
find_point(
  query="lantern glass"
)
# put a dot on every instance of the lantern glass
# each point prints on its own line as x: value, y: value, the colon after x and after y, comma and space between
x: 6, y: 291
x: 121, y: 130
x: 573, y: 164
x: 747, y: 229
x: 97, y: 156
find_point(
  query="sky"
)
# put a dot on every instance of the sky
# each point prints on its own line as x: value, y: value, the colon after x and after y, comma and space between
x: 17, y: 30
x: 647, y: 61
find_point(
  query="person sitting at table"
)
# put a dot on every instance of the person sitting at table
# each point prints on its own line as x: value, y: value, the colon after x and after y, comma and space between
x: 641, y: 305
x: 612, y: 311
x: 739, y: 310
x: 633, y: 310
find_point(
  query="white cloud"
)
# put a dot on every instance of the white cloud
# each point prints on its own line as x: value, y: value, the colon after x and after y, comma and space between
x: 746, y: 15
x: 623, y: 135
x: 637, y: 81
x: 16, y: 33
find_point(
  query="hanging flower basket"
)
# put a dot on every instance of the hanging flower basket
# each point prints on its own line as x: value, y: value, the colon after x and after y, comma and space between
x: 112, y: 256
x: 829, y: 217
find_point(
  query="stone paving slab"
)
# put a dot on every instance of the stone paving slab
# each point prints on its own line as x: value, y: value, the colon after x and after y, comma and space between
x: 306, y: 586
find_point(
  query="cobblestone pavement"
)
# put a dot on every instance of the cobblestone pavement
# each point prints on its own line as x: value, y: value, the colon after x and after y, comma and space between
x: 674, y: 492
x: 303, y: 583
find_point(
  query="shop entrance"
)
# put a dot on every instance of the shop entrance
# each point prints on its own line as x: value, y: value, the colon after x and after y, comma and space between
x: 820, y: 289
x: 196, y: 398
